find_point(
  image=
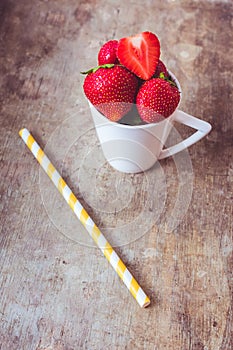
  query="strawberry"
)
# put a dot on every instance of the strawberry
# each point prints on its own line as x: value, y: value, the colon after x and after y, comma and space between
x: 161, y: 68
x: 111, y: 89
x: 140, y: 54
x: 157, y: 99
x: 107, y: 53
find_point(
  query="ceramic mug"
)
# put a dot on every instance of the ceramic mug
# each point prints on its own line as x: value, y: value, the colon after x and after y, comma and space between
x: 136, y: 148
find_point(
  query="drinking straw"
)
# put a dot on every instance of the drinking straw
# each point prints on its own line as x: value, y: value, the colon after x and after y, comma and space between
x: 86, y: 220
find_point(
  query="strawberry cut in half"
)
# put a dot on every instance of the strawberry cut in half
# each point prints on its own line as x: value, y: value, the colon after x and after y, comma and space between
x: 140, y: 54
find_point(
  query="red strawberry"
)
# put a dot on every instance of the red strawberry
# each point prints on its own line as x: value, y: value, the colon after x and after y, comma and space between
x: 111, y: 90
x: 140, y: 54
x: 161, y: 68
x: 157, y: 99
x: 107, y: 53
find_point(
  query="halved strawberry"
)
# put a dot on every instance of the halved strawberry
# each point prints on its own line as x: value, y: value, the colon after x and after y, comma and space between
x: 140, y: 54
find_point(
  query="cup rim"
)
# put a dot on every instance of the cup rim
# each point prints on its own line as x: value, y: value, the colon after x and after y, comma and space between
x: 144, y: 126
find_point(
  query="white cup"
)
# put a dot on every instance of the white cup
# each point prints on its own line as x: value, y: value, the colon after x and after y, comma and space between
x: 136, y: 148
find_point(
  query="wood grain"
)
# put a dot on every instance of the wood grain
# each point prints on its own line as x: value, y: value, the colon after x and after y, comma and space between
x: 57, y: 292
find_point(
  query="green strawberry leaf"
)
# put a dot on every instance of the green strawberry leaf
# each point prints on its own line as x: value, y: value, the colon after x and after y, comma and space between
x: 162, y: 76
x: 93, y: 70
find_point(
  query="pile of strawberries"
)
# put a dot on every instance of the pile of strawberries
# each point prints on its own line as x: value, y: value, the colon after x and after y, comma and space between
x: 130, y: 72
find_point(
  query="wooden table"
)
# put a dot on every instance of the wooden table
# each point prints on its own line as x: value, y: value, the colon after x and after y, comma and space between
x: 172, y: 225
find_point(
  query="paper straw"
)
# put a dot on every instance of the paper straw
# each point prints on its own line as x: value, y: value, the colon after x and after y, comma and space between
x: 86, y: 220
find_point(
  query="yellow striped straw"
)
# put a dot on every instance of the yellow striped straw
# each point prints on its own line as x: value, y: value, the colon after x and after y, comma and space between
x: 85, y: 219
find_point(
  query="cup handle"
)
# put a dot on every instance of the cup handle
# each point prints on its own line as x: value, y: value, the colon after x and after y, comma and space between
x: 202, y: 127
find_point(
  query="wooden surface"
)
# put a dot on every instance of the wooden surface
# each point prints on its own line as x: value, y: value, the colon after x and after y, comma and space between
x: 172, y: 226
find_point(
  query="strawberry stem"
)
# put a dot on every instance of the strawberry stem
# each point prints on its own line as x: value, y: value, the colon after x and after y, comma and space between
x: 93, y: 70
x: 162, y: 76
